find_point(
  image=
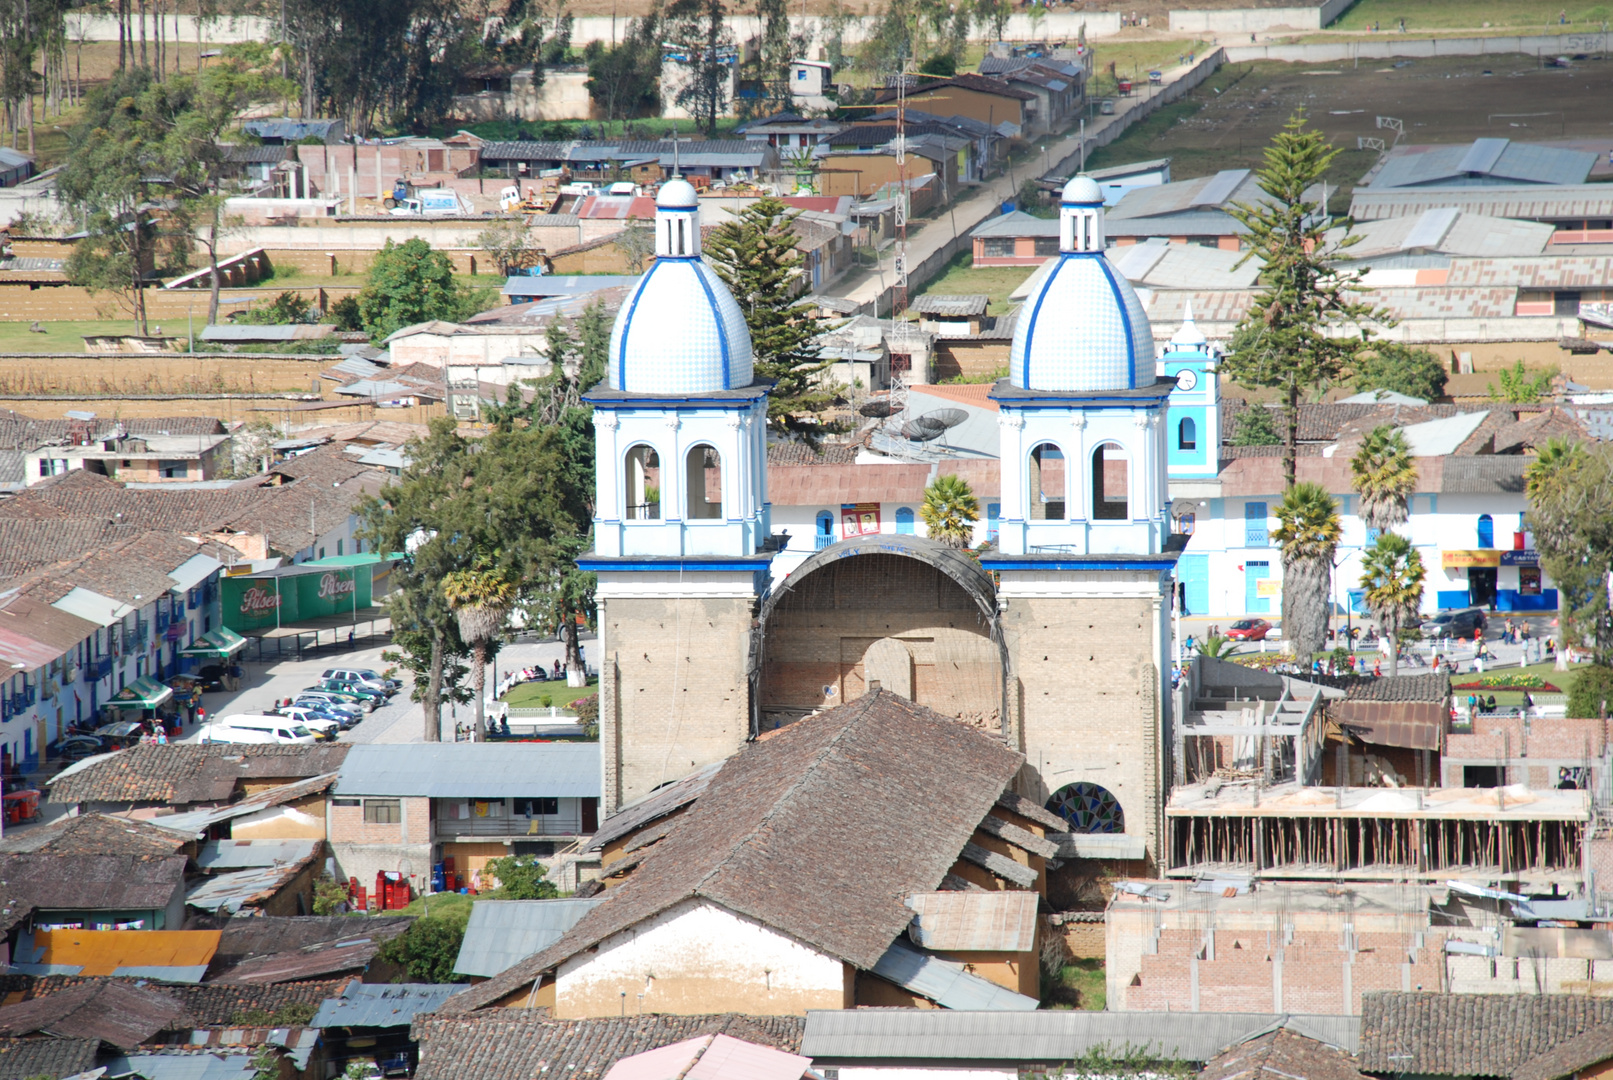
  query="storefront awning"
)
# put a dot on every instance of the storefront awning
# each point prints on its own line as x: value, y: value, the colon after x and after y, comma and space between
x: 216, y: 643
x: 144, y: 693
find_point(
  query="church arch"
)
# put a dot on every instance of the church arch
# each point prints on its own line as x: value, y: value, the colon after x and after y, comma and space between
x: 1111, y: 477
x: 641, y: 483
x: 1048, y: 482
x: 837, y: 622
x: 702, y: 483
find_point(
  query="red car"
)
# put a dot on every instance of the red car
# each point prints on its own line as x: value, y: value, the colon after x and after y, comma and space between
x: 1250, y: 630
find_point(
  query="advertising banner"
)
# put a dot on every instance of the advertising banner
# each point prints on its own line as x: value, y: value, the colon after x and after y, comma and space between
x: 286, y: 598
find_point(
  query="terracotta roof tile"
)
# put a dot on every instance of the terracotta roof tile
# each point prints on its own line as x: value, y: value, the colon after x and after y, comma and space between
x: 184, y: 773
x: 1470, y: 1034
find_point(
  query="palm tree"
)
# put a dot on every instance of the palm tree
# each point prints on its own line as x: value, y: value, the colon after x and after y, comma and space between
x: 480, y: 598
x: 1552, y: 486
x: 1383, y: 474
x: 950, y: 511
x: 1308, y: 533
x: 1216, y: 647
x: 1392, y: 575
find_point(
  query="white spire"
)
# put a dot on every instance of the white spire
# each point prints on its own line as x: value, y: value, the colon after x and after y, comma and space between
x: 677, y: 221
x: 1189, y: 338
x: 1081, y: 217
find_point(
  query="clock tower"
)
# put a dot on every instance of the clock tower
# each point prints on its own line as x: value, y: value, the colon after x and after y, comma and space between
x: 1193, y: 414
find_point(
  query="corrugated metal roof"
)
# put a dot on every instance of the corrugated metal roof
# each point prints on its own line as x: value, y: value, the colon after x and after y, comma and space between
x: 382, y: 1005
x: 985, y: 921
x: 1440, y: 438
x: 232, y: 892
x: 237, y: 332
x: 472, y: 770
x: 502, y: 932
x: 947, y: 984
x: 184, y: 1066
x: 169, y: 955
x: 1018, y: 223
x: 1482, y: 163
x: 572, y: 285
x: 235, y: 854
x: 1528, y: 201
x: 844, y: 1035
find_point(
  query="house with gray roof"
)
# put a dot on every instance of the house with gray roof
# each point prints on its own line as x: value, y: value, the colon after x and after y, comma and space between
x: 1481, y: 163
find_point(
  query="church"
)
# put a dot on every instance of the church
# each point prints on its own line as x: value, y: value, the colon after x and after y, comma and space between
x: 1056, y: 643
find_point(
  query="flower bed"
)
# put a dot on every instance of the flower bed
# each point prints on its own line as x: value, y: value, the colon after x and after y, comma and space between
x: 1508, y: 682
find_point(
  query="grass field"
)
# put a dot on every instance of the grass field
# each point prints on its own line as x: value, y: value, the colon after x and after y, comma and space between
x: 531, y: 695
x: 63, y: 337
x: 1533, y: 15
x: 961, y: 278
x: 1134, y: 59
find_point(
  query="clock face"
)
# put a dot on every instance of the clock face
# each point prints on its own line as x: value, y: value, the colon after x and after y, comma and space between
x: 1187, y: 379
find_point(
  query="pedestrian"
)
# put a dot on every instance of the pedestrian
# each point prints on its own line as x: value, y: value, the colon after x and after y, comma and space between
x: 1251, y: 39
x: 1377, y: 670
x: 557, y: 669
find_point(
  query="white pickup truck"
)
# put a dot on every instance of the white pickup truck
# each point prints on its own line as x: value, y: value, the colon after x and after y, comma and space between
x: 434, y: 202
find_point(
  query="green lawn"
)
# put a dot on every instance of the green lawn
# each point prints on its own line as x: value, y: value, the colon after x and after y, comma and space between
x: 68, y: 337
x: 962, y: 278
x: 1562, y: 680
x: 1135, y: 59
x: 1472, y: 15
x: 1080, y: 985
x: 531, y: 695
x: 451, y: 906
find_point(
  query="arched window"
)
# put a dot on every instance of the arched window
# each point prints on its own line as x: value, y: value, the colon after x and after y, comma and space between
x: 826, y: 530
x: 1109, y: 483
x: 1047, y: 484
x: 702, y: 484
x: 641, y: 484
x: 1088, y: 808
x: 1187, y: 434
x: 1486, y: 531
x: 904, y: 519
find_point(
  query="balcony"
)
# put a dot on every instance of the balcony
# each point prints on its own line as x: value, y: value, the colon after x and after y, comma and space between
x: 822, y: 540
x: 98, y: 668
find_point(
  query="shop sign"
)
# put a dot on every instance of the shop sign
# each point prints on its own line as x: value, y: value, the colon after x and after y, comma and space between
x: 258, y: 599
x: 1456, y: 560
x: 1525, y: 557
x: 1268, y: 588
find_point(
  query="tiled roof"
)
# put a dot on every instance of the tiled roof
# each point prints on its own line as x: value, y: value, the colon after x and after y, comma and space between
x: 965, y: 81
x: 519, y: 1044
x: 24, y: 1059
x: 1470, y: 1034
x: 92, y: 882
x: 120, y: 1013
x: 94, y: 834
x: 19, y: 432
x: 267, y: 950
x: 1281, y: 1055
x: 184, y: 773
x: 1400, y: 688
x: 794, y: 453
x: 1592, y: 1048
x: 208, y: 1004
x: 817, y: 832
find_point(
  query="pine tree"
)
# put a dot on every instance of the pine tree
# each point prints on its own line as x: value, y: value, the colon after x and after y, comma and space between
x: 1285, y: 339
x: 756, y: 257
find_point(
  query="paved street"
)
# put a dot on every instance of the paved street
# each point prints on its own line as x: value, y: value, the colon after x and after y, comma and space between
x: 1416, y: 659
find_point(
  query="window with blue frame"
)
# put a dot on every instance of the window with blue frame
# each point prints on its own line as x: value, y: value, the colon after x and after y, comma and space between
x: 904, y: 519
x: 1254, y: 525
x: 1187, y: 434
x: 826, y: 530
x: 1486, y: 531
x: 994, y: 513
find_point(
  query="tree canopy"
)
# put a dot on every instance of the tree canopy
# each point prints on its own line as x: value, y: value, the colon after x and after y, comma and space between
x: 1287, y: 340
x: 756, y: 256
x: 1401, y: 369
x: 409, y: 283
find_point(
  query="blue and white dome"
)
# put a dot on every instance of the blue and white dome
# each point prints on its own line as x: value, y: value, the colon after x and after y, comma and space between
x: 680, y: 331
x: 1084, y: 329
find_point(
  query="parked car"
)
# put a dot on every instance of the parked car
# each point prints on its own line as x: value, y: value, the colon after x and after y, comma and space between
x: 362, y: 693
x: 260, y: 729
x: 1249, y: 630
x: 333, y: 692
x: 364, y: 677
x: 327, y: 727
x: 78, y: 747
x: 1454, y: 624
x: 349, y: 711
x: 21, y: 806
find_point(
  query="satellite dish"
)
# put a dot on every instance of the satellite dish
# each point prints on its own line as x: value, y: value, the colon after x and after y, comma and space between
x: 923, y: 429
x: 1182, y: 507
x: 948, y: 418
x: 877, y: 409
